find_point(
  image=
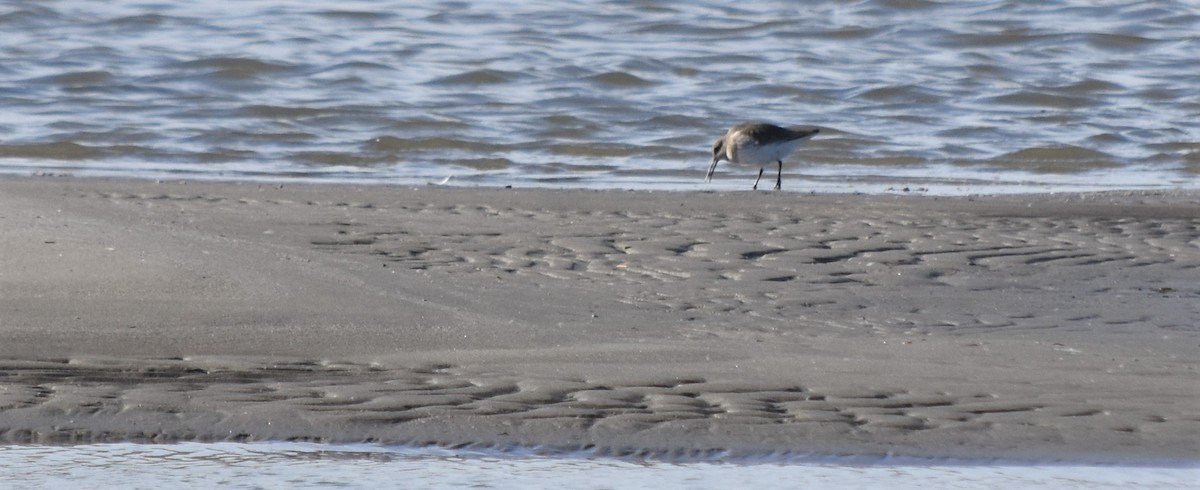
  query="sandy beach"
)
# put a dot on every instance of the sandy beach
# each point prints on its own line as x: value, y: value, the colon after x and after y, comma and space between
x: 1061, y: 326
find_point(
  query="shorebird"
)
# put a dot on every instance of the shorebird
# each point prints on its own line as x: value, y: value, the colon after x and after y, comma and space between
x: 757, y: 144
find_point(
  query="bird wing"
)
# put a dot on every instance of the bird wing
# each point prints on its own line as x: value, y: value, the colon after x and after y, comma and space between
x: 771, y: 132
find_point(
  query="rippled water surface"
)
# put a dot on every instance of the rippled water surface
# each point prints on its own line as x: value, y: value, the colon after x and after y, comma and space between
x: 297, y: 466
x: 622, y: 93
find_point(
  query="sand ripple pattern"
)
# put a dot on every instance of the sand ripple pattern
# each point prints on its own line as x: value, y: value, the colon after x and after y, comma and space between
x: 781, y: 267
x: 83, y: 400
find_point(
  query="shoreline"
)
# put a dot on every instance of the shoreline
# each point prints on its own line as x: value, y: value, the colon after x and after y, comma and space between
x: 861, y: 183
x: 1055, y: 326
x: 480, y: 452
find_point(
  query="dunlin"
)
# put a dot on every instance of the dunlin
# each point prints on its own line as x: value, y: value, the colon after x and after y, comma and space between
x: 758, y: 144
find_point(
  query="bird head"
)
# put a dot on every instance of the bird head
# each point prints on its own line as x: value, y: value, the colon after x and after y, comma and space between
x: 718, y: 155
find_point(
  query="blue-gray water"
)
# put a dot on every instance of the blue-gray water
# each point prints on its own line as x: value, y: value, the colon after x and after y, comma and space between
x: 970, y: 95
x: 298, y: 466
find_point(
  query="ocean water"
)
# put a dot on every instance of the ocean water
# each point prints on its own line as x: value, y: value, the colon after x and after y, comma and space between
x: 301, y: 466
x: 964, y: 96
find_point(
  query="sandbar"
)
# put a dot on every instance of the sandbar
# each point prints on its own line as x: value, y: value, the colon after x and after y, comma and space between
x: 1041, y: 326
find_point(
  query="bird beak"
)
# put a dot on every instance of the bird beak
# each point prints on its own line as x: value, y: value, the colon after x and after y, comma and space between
x: 712, y: 167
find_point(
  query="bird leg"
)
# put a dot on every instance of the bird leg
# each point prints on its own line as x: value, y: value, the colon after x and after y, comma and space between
x: 779, y: 178
x: 760, y: 171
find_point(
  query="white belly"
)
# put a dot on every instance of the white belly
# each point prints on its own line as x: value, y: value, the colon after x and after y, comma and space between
x: 746, y: 152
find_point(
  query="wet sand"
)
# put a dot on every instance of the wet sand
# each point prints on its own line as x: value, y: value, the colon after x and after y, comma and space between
x: 671, y: 323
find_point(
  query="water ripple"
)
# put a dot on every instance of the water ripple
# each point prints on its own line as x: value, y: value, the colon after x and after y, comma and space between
x: 301, y: 465
x: 616, y: 92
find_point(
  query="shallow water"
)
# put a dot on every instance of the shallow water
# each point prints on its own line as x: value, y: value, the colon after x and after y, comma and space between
x: 972, y: 95
x: 297, y: 465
